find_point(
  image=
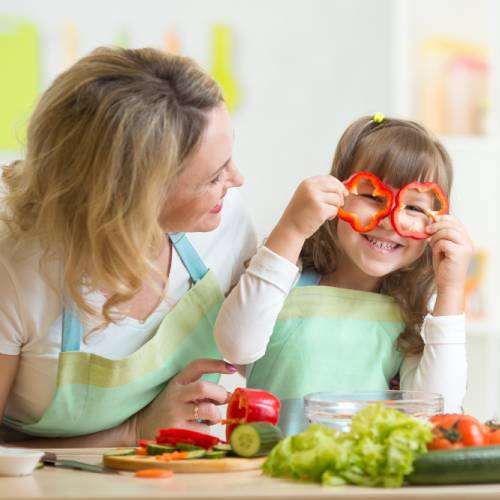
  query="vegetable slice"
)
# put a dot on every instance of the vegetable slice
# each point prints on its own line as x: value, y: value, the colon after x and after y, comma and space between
x: 154, y: 473
x: 258, y: 438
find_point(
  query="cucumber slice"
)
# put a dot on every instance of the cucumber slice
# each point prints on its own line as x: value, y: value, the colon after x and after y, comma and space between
x: 159, y: 449
x: 460, y: 466
x: 187, y: 447
x: 223, y: 447
x: 252, y: 440
x: 196, y: 454
x: 215, y: 454
x: 120, y: 452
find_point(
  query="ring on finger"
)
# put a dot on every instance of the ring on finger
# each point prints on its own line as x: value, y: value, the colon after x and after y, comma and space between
x: 196, y: 415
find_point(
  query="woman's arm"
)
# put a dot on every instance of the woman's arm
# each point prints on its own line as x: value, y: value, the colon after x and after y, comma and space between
x: 442, y: 367
x: 173, y: 407
x: 8, y: 369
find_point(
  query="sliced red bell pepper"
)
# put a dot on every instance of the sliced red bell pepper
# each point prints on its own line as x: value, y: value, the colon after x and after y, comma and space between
x: 421, y: 187
x: 174, y: 436
x: 379, y: 190
x: 251, y: 405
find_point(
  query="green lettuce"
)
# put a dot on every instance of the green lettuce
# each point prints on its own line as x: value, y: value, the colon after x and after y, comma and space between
x: 379, y: 450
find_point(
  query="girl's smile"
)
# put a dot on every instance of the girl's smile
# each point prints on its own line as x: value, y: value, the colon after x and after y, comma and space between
x: 367, y: 257
x: 382, y: 245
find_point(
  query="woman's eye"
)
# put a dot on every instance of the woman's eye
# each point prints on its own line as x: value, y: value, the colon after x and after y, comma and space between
x: 216, y: 180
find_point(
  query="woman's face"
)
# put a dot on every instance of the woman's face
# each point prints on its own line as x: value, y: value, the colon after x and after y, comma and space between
x: 196, y: 197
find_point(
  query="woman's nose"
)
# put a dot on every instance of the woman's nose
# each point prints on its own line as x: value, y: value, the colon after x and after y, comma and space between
x: 235, y: 178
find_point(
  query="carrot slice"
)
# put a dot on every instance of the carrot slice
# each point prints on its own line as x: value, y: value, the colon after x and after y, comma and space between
x: 174, y: 455
x: 154, y: 473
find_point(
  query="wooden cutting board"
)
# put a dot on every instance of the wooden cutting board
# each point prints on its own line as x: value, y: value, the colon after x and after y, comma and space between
x: 226, y: 464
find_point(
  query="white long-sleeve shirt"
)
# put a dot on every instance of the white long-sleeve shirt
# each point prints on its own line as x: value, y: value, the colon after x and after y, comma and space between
x: 248, y: 315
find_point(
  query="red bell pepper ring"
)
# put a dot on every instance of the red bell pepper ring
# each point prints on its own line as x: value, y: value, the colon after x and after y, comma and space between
x: 421, y: 187
x: 173, y: 436
x: 379, y: 190
x: 251, y: 405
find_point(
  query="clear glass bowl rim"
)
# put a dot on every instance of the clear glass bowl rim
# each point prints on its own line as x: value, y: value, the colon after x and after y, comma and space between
x: 328, y: 398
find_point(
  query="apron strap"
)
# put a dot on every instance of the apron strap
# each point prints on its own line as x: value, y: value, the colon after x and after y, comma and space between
x: 72, y: 328
x: 72, y: 331
x: 189, y: 256
x: 308, y: 278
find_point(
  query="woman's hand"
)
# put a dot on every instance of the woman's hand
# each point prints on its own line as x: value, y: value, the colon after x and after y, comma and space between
x: 186, y: 401
x: 452, y: 250
x: 315, y: 201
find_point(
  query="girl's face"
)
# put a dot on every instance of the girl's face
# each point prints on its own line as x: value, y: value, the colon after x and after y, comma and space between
x: 368, y: 257
x: 196, y: 197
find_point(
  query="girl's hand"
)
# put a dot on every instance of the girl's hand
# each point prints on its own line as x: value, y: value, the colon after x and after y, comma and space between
x: 186, y: 401
x: 452, y: 250
x: 316, y: 200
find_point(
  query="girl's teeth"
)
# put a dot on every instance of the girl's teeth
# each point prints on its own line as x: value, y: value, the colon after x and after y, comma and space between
x: 384, y: 245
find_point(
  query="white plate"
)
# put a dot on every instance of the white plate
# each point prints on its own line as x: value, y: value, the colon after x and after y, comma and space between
x: 18, y: 461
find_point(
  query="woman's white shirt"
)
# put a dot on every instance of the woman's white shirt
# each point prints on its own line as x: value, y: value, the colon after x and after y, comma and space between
x: 246, y: 321
x: 31, y: 309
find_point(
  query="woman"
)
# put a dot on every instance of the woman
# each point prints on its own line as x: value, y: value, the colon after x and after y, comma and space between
x: 100, y: 309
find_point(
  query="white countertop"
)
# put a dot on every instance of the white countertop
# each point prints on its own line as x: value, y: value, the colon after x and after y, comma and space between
x: 59, y: 483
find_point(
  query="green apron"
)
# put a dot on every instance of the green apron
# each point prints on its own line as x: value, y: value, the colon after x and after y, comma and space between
x: 94, y: 393
x: 328, y: 339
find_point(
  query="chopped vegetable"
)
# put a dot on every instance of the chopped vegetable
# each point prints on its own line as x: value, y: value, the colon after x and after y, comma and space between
x: 174, y: 436
x: 252, y: 440
x: 120, y: 452
x: 378, y: 191
x: 174, y: 455
x: 159, y: 449
x: 251, y: 405
x: 215, y: 454
x: 154, y: 473
x: 400, y: 206
x: 378, y: 450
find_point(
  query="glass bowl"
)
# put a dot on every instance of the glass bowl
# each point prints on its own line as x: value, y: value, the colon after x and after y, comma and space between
x: 335, y: 409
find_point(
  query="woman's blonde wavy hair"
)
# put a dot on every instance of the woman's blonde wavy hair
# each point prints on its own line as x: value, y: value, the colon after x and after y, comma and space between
x: 398, y: 152
x: 104, y: 144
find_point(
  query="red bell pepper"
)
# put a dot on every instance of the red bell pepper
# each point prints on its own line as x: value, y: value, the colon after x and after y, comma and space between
x: 421, y: 187
x: 251, y: 405
x: 173, y: 436
x: 379, y: 190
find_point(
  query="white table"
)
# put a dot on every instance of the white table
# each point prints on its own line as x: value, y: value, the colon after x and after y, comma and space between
x: 58, y: 483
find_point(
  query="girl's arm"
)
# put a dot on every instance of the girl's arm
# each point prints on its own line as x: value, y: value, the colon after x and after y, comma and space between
x: 247, y: 317
x: 442, y: 367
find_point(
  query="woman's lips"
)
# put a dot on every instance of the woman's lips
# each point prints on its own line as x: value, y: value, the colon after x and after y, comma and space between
x: 217, y: 208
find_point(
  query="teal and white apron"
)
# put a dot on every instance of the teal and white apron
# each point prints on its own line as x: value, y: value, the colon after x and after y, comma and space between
x: 328, y: 339
x: 94, y: 393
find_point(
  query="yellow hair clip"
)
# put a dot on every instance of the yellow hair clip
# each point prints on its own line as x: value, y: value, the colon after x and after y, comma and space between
x: 378, y: 117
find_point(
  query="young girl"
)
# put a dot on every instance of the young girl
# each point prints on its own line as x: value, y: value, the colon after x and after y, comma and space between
x: 359, y: 313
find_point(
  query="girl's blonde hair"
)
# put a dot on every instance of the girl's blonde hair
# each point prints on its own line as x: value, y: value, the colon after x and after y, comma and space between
x: 398, y: 152
x: 104, y: 144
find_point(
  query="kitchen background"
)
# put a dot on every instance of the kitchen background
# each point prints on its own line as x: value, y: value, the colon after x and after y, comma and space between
x: 295, y: 74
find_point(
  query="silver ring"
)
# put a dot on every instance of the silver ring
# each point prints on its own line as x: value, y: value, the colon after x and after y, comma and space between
x: 196, y: 416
